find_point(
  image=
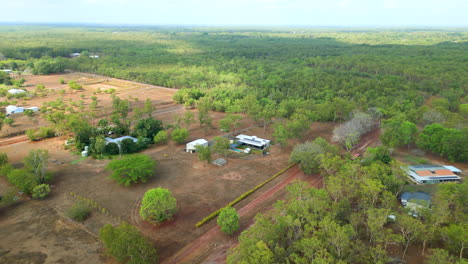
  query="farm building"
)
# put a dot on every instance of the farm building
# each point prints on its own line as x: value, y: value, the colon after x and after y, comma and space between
x: 13, y: 109
x: 414, y: 201
x: 190, y: 147
x: 423, y: 174
x: 119, y: 140
x: 16, y: 91
x: 253, y: 141
x: 7, y: 71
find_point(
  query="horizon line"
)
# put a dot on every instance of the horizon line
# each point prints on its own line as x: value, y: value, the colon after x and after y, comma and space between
x: 389, y: 26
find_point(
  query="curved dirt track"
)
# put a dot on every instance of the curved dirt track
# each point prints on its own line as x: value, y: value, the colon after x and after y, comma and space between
x: 198, y: 250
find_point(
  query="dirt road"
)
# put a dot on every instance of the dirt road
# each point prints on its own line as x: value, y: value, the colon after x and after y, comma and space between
x: 13, y: 140
x: 202, y: 247
x: 368, y: 140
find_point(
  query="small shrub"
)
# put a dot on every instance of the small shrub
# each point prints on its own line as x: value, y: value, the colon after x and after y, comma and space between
x: 161, y: 137
x: 40, y: 133
x: 9, y: 197
x: 79, y: 211
x: 3, y: 159
x: 111, y: 149
x: 128, y: 146
x: 5, y: 169
x: 142, y: 143
x: 41, y: 191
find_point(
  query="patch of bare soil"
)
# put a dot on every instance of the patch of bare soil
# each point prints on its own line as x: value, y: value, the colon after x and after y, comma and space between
x: 33, y: 232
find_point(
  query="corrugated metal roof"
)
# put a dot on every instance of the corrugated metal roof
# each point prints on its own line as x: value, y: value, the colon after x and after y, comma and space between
x: 434, y: 173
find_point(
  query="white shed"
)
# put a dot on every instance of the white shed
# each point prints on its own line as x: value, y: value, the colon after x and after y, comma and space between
x: 33, y: 108
x: 16, y: 91
x: 191, y: 145
x: 13, y: 109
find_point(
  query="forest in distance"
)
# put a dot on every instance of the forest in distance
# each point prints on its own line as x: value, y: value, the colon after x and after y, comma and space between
x: 412, y: 83
x: 326, y: 73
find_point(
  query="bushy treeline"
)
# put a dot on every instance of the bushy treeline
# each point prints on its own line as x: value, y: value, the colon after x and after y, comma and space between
x: 451, y: 143
x: 348, y: 221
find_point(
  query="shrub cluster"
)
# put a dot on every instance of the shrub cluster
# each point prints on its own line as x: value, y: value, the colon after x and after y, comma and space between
x: 79, y: 211
x: 40, y: 133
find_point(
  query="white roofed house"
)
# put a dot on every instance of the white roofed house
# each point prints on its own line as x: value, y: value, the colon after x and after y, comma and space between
x: 13, y: 109
x: 191, y: 146
x: 253, y: 141
x: 16, y: 91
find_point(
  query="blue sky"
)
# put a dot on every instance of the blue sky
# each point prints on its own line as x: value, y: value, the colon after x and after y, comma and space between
x: 240, y: 12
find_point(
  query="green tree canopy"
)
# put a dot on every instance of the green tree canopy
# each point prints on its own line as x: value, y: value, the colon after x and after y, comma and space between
x: 126, y: 244
x: 132, y: 169
x: 148, y: 128
x: 228, y: 220
x: 158, y: 205
x: 37, y: 162
x: 160, y: 137
x: 308, y: 154
x: 179, y: 135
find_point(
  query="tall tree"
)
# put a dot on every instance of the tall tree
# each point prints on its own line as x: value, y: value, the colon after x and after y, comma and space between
x: 37, y: 162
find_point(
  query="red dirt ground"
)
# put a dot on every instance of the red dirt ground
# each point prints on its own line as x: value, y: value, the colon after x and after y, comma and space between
x: 199, y: 188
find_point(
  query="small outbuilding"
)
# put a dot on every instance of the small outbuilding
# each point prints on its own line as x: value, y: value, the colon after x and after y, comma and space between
x: 220, y: 162
x: 16, y: 91
x: 415, y: 201
x: 13, y: 109
x: 190, y: 147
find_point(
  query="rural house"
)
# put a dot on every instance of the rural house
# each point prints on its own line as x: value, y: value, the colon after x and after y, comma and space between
x: 423, y: 174
x: 253, y: 141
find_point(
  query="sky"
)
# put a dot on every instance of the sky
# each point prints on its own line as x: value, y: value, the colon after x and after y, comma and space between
x: 239, y: 12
